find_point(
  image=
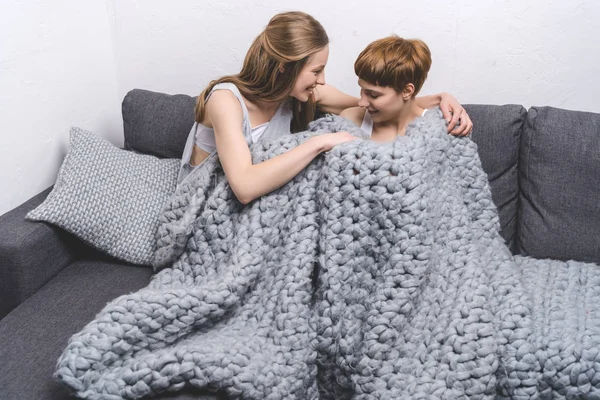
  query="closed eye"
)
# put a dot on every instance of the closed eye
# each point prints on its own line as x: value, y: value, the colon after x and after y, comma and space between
x: 370, y: 94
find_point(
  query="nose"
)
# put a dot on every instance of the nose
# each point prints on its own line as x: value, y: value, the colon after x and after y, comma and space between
x: 321, y: 78
x: 363, y: 102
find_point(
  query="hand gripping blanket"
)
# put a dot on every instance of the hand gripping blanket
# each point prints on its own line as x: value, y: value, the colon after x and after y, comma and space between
x: 376, y: 273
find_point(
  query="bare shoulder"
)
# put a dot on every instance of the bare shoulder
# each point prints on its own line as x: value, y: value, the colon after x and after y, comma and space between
x: 354, y: 114
x: 222, y: 104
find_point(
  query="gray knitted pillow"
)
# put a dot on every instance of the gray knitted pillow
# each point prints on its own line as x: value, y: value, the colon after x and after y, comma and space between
x: 109, y: 197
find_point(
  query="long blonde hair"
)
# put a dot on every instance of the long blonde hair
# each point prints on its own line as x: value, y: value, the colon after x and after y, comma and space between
x: 273, y: 64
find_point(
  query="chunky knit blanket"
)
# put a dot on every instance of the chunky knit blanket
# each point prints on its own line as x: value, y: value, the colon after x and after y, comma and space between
x: 377, y: 273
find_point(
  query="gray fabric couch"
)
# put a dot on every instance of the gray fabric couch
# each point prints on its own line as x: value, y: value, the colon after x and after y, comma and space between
x: 543, y: 165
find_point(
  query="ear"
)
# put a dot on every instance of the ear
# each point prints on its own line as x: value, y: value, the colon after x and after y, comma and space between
x: 408, y: 91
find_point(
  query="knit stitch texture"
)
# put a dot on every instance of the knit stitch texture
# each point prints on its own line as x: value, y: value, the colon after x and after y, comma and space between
x: 376, y: 273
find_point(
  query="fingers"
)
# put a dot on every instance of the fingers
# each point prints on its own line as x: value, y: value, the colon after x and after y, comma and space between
x: 347, y: 136
x: 338, y: 138
x: 446, y: 112
x: 468, y: 124
x: 453, y: 124
x: 463, y: 126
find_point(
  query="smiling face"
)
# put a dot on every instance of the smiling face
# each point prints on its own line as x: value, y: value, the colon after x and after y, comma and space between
x: 391, y: 72
x: 382, y: 102
x: 311, y: 75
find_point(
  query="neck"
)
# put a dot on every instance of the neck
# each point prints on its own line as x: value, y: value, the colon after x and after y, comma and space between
x: 268, y: 105
x: 262, y: 106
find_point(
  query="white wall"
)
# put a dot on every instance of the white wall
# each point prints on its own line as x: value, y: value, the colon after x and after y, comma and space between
x: 57, y: 69
x: 68, y: 62
x: 530, y: 52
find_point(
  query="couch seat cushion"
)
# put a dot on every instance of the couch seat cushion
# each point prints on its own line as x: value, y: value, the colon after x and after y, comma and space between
x: 34, y: 334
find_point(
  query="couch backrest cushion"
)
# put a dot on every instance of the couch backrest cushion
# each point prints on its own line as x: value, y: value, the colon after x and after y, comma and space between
x: 157, y: 123
x: 559, y: 215
x: 497, y: 132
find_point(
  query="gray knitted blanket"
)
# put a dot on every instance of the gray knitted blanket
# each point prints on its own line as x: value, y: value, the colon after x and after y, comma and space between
x: 377, y: 273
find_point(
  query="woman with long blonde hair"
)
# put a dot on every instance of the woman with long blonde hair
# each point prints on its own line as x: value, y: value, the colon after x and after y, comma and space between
x: 278, y: 90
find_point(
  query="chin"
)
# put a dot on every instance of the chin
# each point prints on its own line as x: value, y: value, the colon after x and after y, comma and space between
x: 303, y: 98
x: 376, y: 117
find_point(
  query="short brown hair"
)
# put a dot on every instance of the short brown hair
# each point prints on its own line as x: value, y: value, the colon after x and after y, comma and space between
x: 394, y: 62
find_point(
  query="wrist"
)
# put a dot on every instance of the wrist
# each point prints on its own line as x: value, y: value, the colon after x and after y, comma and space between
x: 439, y: 97
x: 431, y: 100
x: 317, y: 144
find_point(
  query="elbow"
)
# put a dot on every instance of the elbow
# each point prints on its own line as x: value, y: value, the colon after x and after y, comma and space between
x: 243, y: 195
x: 244, y: 199
x: 244, y: 187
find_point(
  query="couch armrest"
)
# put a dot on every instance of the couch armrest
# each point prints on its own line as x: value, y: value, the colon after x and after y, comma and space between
x: 31, y: 253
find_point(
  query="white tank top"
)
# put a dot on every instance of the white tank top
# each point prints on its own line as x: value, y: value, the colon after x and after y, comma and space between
x: 367, y: 123
x: 204, y: 137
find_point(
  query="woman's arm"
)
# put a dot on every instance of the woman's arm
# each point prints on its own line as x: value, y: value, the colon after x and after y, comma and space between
x: 249, y: 181
x: 429, y: 101
x: 332, y: 100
